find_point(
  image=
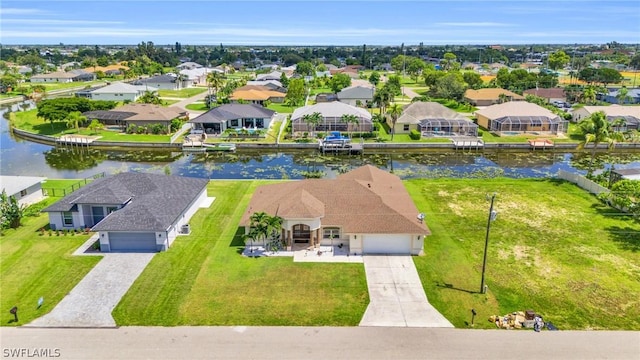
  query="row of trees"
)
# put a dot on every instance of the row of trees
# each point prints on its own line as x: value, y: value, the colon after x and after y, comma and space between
x: 263, y: 227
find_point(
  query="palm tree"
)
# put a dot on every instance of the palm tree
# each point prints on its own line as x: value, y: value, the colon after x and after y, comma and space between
x: 382, y: 98
x: 312, y: 121
x: 395, y: 111
x: 150, y: 97
x: 75, y: 119
x: 502, y: 98
x: 597, y: 129
x: 215, y: 82
x: 623, y: 95
x: 259, y: 228
x: 350, y: 119
x: 589, y: 95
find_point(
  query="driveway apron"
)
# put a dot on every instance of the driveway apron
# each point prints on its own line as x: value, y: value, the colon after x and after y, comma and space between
x: 91, y: 302
x: 396, y: 295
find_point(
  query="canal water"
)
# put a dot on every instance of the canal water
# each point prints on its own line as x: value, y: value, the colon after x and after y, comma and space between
x: 22, y: 157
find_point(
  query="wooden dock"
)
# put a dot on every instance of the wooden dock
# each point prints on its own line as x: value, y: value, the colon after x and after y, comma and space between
x: 77, y: 140
x: 540, y: 144
x: 467, y: 143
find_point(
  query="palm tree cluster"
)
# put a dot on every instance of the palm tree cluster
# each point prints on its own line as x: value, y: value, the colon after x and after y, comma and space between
x: 597, y: 129
x: 263, y: 227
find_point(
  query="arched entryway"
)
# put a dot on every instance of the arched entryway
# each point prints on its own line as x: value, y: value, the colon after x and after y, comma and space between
x: 301, y: 233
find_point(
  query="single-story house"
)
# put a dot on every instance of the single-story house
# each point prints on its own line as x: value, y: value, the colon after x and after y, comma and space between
x: 189, y: 65
x: 256, y: 94
x: 326, y: 97
x: 631, y: 114
x: 516, y: 117
x: 54, y: 77
x: 271, y: 84
x: 433, y: 119
x: 490, y: 96
x: 139, y: 115
x: 332, y: 113
x: 235, y: 116
x: 132, y: 211
x: 356, y: 95
x: 274, y: 75
x: 550, y: 94
x: 633, y: 96
x: 367, y: 209
x: 625, y: 174
x: 26, y: 189
x: 117, y: 91
x: 165, y: 82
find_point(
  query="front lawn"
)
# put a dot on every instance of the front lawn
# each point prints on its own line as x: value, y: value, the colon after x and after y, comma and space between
x: 197, y: 106
x: 34, y: 265
x: 553, y: 248
x: 182, y: 93
x: 203, y: 279
x: 281, y: 108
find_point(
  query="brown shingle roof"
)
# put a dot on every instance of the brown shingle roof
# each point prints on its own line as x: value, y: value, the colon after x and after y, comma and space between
x: 255, y: 93
x: 552, y: 93
x: 365, y: 200
x: 490, y: 94
x: 515, y: 108
x: 149, y: 112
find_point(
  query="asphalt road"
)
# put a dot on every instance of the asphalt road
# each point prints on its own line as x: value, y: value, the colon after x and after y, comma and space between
x: 315, y: 343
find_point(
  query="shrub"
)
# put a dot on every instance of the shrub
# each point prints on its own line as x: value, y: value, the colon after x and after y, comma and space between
x: 414, y: 134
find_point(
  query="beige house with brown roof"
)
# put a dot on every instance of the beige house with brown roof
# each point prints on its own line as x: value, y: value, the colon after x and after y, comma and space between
x: 257, y: 94
x: 487, y: 97
x: 138, y: 114
x: 630, y: 114
x: 367, y: 209
x: 516, y: 117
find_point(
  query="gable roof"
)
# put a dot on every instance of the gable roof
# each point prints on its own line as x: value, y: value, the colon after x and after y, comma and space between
x: 419, y: 110
x: 515, y: 109
x: 551, y: 93
x: 274, y: 75
x: 255, y: 92
x: 153, y: 201
x: 123, y: 88
x: 356, y: 92
x: 226, y: 112
x: 364, y: 200
x: 151, y: 112
x: 490, y: 94
x: 159, y: 79
x: 55, y: 75
x: 14, y: 184
x: 333, y: 109
x: 615, y: 110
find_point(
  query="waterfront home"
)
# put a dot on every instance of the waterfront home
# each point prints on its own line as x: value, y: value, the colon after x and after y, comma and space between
x: 233, y: 116
x: 332, y: 118
x: 515, y: 118
x: 630, y: 114
x: 433, y: 119
x: 143, y: 115
x: 367, y: 210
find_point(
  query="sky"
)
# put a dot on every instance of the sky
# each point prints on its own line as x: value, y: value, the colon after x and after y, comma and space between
x: 329, y: 22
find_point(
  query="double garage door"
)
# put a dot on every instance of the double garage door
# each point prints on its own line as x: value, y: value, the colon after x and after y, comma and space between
x: 386, y: 244
x: 132, y: 241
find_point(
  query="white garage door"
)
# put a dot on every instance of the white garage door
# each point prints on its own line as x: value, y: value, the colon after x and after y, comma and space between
x: 132, y: 241
x: 387, y: 244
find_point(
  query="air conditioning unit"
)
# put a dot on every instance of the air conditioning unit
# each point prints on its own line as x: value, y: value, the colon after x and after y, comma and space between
x: 185, y: 229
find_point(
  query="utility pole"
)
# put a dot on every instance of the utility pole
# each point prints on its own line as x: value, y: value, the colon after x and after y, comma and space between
x: 492, y: 216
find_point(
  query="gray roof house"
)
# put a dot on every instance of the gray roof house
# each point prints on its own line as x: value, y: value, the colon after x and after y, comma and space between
x: 353, y: 95
x: 26, y: 189
x: 332, y: 113
x: 235, y: 116
x: 274, y: 75
x: 117, y: 91
x: 434, y: 119
x: 189, y: 65
x: 132, y: 211
x: 165, y: 82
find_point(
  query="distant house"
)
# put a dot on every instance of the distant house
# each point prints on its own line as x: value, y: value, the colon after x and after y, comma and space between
x: 117, y: 91
x: 625, y: 174
x: 164, y: 82
x: 326, y: 97
x: 366, y: 210
x: 54, y: 77
x: 332, y: 113
x: 630, y: 114
x: 193, y: 77
x: 138, y: 114
x: 233, y: 116
x: 26, y: 189
x: 434, y: 119
x: 551, y: 94
x: 189, y: 65
x: 256, y: 94
x: 491, y: 96
x: 633, y: 96
x: 356, y: 95
x: 274, y: 75
x: 516, y: 117
x: 131, y: 211
x: 271, y: 84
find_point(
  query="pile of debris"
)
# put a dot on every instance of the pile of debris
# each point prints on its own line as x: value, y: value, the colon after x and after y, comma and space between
x: 520, y: 319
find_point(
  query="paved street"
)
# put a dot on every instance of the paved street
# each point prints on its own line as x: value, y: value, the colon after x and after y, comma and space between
x: 396, y: 295
x: 320, y: 343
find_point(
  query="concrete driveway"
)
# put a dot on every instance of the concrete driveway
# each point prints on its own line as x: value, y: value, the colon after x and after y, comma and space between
x: 396, y: 295
x: 91, y: 302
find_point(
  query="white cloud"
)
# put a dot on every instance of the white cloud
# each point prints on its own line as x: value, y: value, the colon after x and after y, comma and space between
x: 20, y: 11
x: 42, y: 22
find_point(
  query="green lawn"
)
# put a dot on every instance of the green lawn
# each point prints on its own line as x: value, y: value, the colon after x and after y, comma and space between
x: 553, y: 248
x: 281, y: 108
x: 182, y: 93
x: 197, y: 106
x: 60, y: 86
x: 203, y: 279
x: 34, y: 265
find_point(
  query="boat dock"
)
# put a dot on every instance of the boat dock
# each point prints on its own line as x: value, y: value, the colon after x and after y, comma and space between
x: 540, y: 144
x: 340, y: 147
x: 78, y: 140
x: 203, y: 147
x: 467, y: 143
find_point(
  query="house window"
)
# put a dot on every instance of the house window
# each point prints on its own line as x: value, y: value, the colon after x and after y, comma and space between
x: 23, y: 193
x: 67, y: 218
x: 233, y: 123
x: 111, y: 209
x: 405, y: 127
x: 301, y: 231
x: 331, y: 232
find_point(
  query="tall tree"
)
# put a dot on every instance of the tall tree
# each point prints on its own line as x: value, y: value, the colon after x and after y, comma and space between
x: 296, y: 92
x: 448, y: 60
x: 558, y: 60
x: 623, y: 95
x: 395, y: 111
x: 75, y: 119
x: 339, y: 81
x: 215, y: 81
x: 150, y: 97
x: 597, y: 130
x: 350, y: 119
x: 312, y: 121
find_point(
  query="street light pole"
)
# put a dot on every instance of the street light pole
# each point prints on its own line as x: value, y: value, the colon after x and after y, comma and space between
x: 492, y: 216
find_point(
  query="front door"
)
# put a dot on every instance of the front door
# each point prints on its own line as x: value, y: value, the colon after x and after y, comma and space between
x: 97, y: 213
x: 301, y: 233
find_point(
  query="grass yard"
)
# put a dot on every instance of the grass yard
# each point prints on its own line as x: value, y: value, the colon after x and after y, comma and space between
x: 281, y: 108
x: 553, y: 248
x: 203, y: 279
x: 34, y: 265
x: 197, y: 106
x: 182, y: 93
